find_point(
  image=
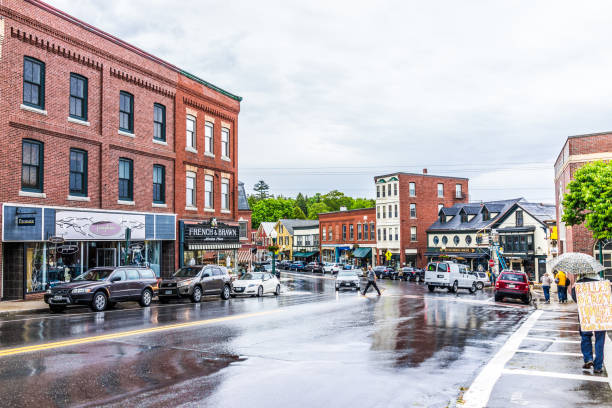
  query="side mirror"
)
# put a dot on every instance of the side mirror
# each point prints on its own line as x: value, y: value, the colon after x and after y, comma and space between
x: 115, y: 279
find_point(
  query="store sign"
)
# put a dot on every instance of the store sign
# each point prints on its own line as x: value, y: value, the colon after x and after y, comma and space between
x: 458, y: 250
x: 84, y: 225
x: 22, y: 221
x: 212, y: 232
x: 56, y: 240
x: 68, y: 249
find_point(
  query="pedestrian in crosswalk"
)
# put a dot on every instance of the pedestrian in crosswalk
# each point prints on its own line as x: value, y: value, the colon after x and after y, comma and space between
x: 371, y: 281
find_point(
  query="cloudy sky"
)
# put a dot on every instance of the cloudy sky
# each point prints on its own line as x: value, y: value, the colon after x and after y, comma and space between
x: 336, y: 92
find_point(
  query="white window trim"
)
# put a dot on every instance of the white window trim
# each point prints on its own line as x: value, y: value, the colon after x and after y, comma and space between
x: 191, y: 149
x: 188, y: 208
x: 225, y: 158
x: 160, y: 142
x: 125, y: 202
x: 226, y: 211
x: 77, y: 198
x: 78, y: 121
x: 209, y: 154
x: 209, y: 210
x: 33, y: 109
x: 159, y: 205
x: 124, y: 133
x: 31, y: 194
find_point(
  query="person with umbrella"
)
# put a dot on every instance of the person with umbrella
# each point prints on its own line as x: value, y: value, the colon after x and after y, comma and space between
x: 586, y: 269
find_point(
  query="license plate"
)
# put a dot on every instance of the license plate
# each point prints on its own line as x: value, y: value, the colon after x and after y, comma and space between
x: 511, y: 286
x: 440, y: 276
x: 58, y: 297
x: 168, y: 292
x: 238, y: 289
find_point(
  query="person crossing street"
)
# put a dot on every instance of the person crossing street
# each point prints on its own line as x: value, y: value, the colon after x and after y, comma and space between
x: 371, y: 281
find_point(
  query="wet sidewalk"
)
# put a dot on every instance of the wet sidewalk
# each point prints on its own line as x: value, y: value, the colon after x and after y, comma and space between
x: 541, y: 366
x: 9, y: 307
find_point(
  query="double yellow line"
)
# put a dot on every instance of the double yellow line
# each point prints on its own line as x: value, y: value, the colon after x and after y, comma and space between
x: 113, y: 336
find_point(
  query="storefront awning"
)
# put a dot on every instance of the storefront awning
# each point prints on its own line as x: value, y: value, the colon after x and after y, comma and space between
x: 245, y: 256
x: 304, y: 254
x: 212, y: 247
x: 362, y: 252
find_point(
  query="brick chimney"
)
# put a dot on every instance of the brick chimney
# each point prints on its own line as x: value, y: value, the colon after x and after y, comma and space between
x: 424, y: 171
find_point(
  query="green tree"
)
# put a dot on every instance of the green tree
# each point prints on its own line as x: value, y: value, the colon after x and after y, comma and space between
x: 298, y: 213
x: 363, y: 203
x: 302, y: 203
x: 315, y: 209
x: 336, y: 199
x: 262, y: 188
x: 589, y: 199
x: 271, y: 210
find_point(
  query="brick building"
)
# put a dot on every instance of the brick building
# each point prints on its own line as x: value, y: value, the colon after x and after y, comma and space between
x: 577, y: 151
x: 348, y: 236
x: 406, y: 205
x: 88, y: 125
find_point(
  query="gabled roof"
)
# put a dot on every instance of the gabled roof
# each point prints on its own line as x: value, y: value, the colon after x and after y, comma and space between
x: 268, y: 228
x: 476, y: 223
x: 243, y: 203
x: 542, y: 212
x: 292, y: 223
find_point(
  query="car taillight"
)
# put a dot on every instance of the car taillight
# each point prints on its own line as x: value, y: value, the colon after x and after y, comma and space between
x: 448, y: 270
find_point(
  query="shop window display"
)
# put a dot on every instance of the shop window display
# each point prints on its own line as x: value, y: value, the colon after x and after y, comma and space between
x: 48, y: 265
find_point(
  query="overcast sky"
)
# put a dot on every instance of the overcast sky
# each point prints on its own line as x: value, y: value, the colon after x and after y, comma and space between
x: 336, y: 92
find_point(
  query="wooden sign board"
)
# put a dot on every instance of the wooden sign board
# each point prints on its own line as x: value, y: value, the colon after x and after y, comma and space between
x: 594, y: 305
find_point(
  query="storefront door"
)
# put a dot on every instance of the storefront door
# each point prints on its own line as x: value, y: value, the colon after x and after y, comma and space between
x: 106, y: 257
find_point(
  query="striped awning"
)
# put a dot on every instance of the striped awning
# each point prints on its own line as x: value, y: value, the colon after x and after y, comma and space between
x: 212, y: 247
x: 245, y: 256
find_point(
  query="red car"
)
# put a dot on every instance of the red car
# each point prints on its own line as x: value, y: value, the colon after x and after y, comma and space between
x: 512, y: 284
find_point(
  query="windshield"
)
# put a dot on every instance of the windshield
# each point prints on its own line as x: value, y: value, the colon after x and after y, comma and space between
x: 94, y: 275
x: 187, y: 272
x: 252, y: 276
x: 513, y: 277
x: 347, y: 273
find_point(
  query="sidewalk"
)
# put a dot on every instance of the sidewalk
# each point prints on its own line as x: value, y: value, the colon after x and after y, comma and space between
x: 9, y: 307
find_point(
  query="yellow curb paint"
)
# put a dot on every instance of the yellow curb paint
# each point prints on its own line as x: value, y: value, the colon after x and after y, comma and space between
x: 113, y: 336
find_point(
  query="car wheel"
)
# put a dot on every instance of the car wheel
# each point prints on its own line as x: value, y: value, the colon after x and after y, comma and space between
x: 527, y: 299
x: 431, y: 288
x: 473, y: 288
x: 226, y: 292
x: 260, y: 291
x: 196, y: 296
x: 146, y: 298
x: 99, y: 302
x: 480, y: 286
x: 455, y: 287
x: 277, y: 291
x: 57, y: 308
x: 164, y: 300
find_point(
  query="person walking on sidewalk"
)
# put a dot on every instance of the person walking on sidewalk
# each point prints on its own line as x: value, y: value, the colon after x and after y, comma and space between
x: 546, y: 282
x: 586, y: 338
x: 561, y: 280
x: 371, y: 281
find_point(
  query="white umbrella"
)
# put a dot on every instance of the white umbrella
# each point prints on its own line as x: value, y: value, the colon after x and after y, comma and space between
x: 576, y: 263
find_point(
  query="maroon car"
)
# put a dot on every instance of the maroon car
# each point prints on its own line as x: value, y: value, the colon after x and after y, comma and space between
x: 512, y: 284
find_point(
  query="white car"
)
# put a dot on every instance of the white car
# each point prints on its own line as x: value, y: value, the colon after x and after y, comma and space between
x: 347, y: 280
x: 482, y: 280
x: 449, y: 275
x: 256, y: 284
x: 332, y: 268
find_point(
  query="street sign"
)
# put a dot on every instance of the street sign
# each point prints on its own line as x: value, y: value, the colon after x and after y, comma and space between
x: 388, y: 255
x: 56, y: 240
x: 491, y: 263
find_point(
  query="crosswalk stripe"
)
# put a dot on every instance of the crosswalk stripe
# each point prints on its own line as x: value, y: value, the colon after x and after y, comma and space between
x: 551, y: 374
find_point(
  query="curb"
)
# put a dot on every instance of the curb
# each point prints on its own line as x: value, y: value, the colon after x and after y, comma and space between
x: 6, y: 313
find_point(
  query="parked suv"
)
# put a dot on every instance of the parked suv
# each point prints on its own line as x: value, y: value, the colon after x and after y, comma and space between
x: 104, y: 287
x: 413, y: 274
x: 196, y: 281
x: 314, y: 267
x: 297, y: 266
x: 512, y: 284
x: 384, y: 272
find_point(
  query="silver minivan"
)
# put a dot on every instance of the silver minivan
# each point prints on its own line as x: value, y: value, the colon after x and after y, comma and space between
x: 449, y: 275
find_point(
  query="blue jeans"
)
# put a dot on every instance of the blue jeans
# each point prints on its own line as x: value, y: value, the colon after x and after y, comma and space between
x: 546, y: 290
x: 562, y: 292
x: 586, y: 345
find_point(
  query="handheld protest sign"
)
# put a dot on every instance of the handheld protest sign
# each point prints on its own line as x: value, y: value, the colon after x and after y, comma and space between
x: 594, y: 305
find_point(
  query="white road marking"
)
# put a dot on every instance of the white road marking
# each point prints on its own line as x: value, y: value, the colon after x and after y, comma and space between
x: 580, y: 377
x: 479, y: 392
x: 554, y: 353
x: 556, y: 330
x: 552, y: 340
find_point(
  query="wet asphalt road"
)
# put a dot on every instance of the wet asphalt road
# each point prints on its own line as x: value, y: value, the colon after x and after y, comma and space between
x: 310, y: 346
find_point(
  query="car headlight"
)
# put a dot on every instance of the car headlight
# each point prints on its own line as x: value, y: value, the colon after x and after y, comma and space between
x: 82, y: 290
x: 184, y: 283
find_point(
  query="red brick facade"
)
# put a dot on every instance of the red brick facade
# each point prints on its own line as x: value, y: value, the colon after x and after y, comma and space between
x: 426, y: 202
x: 29, y: 28
x: 335, y: 221
x: 577, y: 151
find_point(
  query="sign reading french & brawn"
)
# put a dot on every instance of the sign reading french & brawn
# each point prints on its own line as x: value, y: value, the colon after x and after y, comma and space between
x: 215, y: 232
x: 594, y: 305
